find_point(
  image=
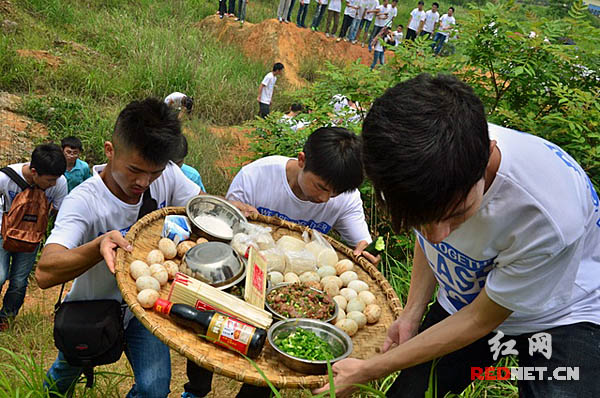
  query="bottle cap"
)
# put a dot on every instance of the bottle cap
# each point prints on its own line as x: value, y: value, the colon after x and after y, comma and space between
x: 163, y: 306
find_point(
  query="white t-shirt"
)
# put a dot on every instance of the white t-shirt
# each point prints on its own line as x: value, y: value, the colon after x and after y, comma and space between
x: 350, y: 11
x: 445, y: 23
x: 381, y: 19
x: 263, y: 184
x: 174, y: 99
x: 392, y: 14
x: 323, y: 2
x: 335, y: 5
x: 398, y: 36
x: 305, y: 1
x: 416, y: 18
x: 431, y: 18
x: 92, y: 209
x: 267, y: 92
x: 371, y: 5
x: 534, y: 243
x: 9, y: 189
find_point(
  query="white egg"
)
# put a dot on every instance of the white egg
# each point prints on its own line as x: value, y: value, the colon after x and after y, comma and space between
x: 331, y: 288
x: 341, y: 302
x: 291, y: 277
x: 138, y: 268
x: 343, y: 266
x: 276, y: 277
x: 358, y: 317
x: 155, y: 257
x: 358, y: 286
x: 355, y: 305
x: 373, y: 313
x: 309, y: 276
x: 172, y: 268
x: 168, y: 248
x: 348, y: 277
x: 340, y: 315
x: 348, y: 294
x: 335, y: 279
x: 347, y: 325
x: 147, y: 282
x: 367, y: 297
x: 147, y: 297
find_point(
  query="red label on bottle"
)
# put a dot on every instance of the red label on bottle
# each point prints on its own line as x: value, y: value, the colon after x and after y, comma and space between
x: 230, y: 333
x: 259, y: 278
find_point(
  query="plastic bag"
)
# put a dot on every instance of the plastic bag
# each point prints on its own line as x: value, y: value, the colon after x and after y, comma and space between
x: 300, y: 261
x: 320, y: 248
x: 240, y: 243
x: 290, y: 244
x: 260, y: 236
x: 275, y: 259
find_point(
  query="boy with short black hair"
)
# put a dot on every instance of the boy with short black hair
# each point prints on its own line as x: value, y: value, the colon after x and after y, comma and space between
x: 77, y: 170
x: 265, y: 90
x: 432, y: 17
x: 507, y: 228
x: 415, y: 22
x: 91, y: 224
x: 45, y: 171
x: 189, y: 171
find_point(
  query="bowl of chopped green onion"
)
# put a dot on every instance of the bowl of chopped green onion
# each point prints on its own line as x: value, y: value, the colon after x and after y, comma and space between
x: 306, y: 345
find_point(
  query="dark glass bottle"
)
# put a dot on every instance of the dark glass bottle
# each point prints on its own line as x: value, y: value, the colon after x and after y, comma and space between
x: 218, y: 328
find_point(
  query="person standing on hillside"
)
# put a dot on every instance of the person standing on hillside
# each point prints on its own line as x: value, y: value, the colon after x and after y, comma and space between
x: 302, y: 11
x: 77, y: 170
x: 415, y: 22
x: 349, y: 15
x: 319, y: 12
x: 381, y: 18
x: 242, y: 11
x: 44, y: 171
x: 507, y: 231
x: 283, y: 10
x: 265, y: 90
x: 333, y: 14
x: 447, y: 21
x: 370, y: 13
x: 359, y: 21
x: 432, y: 18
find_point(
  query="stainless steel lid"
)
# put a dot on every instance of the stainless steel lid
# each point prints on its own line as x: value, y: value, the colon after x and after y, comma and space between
x: 215, y: 263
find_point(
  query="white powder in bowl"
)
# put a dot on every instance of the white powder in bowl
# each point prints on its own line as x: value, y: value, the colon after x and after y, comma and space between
x: 214, y: 225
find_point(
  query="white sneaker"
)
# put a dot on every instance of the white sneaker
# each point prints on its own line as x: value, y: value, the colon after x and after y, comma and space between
x: 339, y: 39
x: 354, y: 41
x: 362, y: 45
x: 327, y: 34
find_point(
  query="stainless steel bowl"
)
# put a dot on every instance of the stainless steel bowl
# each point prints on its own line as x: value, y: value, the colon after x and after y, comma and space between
x: 338, y: 340
x: 216, y: 207
x: 215, y: 263
x: 277, y: 315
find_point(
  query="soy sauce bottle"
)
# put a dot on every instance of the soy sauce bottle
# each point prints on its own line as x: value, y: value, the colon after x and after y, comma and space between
x: 218, y: 328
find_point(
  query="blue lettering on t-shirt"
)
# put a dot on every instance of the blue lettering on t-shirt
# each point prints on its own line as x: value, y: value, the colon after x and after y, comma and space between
x: 322, y: 227
x: 460, y: 277
x: 12, y: 195
x: 571, y: 163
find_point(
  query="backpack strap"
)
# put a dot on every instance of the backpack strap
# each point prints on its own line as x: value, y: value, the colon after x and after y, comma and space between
x: 20, y: 181
x: 148, y: 204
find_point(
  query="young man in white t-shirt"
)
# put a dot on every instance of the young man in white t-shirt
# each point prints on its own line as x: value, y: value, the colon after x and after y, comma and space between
x: 333, y: 15
x: 319, y: 12
x: 415, y: 22
x: 93, y: 220
x: 447, y: 21
x: 381, y: 17
x: 352, y: 7
x: 45, y: 171
x: 361, y: 20
x: 432, y: 17
x: 265, y: 90
x: 507, y: 228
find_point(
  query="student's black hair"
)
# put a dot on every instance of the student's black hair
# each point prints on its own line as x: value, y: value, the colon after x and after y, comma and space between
x: 435, y: 4
x: 296, y: 107
x: 48, y: 159
x: 334, y: 155
x: 72, y: 142
x: 400, y: 26
x: 423, y: 159
x: 277, y: 66
x: 182, y: 150
x: 451, y: 8
x: 149, y: 127
x: 421, y: 2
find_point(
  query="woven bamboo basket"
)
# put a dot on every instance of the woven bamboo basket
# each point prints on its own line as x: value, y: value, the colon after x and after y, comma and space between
x: 144, y: 236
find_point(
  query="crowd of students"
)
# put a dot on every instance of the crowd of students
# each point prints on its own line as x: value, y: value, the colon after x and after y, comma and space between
x: 356, y: 20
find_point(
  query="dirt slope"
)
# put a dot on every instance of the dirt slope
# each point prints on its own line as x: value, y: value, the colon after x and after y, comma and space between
x: 272, y: 41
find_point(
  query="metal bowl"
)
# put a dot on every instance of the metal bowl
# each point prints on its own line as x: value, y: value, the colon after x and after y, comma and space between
x: 277, y: 315
x: 213, y: 206
x: 215, y: 263
x: 338, y: 340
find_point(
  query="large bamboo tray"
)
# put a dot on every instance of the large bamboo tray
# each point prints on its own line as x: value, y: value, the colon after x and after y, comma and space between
x: 144, y: 236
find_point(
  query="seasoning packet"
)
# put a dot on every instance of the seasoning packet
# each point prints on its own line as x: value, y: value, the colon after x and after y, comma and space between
x: 176, y: 228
